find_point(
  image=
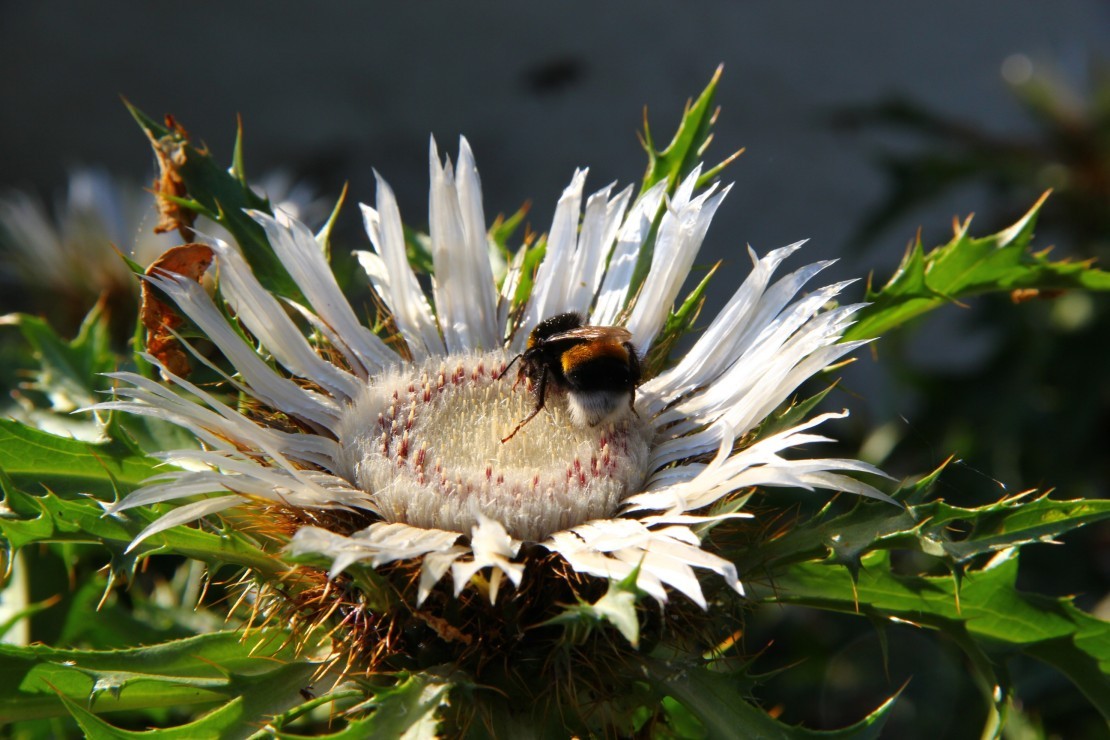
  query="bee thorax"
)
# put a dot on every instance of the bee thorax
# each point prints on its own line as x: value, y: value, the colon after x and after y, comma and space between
x: 590, y: 408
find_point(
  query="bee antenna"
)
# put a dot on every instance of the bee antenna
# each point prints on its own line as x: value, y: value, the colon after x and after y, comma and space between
x: 502, y: 374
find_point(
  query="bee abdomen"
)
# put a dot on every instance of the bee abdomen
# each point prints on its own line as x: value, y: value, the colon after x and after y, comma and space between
x: 597, y: 366
x: 590, y: 408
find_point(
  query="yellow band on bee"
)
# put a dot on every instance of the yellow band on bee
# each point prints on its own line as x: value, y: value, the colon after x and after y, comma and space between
x: 587, y: 351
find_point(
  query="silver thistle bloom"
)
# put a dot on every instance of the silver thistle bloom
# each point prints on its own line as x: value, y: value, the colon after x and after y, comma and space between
x: 412, y: 439
x: 72, y: 253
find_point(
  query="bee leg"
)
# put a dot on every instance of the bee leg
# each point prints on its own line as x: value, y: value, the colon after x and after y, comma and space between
x: 518, y: 426
x: 540, y: 388
x: 635, y: 375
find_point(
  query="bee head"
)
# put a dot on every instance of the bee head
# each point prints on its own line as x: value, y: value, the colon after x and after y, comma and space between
x: 557, y: 324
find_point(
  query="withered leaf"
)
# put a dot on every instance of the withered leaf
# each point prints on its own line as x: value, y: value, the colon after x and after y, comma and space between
x: 159, y: 319
x: 1021, y: 295
x: 444, y: 629
x: 171, y: 152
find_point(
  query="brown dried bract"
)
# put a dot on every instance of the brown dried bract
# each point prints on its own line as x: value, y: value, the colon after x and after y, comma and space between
x: 190, y: 260
x: 1021, y: 295
x: 444, y: 629
x: 170, y: 151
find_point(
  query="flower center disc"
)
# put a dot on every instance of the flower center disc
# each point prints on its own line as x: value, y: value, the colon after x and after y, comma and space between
x: 425, y: 442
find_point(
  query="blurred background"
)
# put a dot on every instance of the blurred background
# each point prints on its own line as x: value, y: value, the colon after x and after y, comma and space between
x: 861, y: 126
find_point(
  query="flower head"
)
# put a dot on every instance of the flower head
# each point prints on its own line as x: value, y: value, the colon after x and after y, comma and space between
x: 74, y: 256
x: 391, y: 445
x: 69, y: 256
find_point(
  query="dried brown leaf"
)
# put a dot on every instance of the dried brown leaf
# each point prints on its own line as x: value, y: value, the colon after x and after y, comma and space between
x: 159, y: 319
x: 171, y: 152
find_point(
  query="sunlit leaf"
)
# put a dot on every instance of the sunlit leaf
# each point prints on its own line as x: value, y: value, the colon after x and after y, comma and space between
x: 966, y: 267
x: 220, y: 194
x: 208, y: 669
x: 36, y: 461
x: 985, y: 603
x: 720, y: 700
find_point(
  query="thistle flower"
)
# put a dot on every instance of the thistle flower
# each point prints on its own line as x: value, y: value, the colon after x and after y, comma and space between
x: 387, y: 447
x: 70, y: 257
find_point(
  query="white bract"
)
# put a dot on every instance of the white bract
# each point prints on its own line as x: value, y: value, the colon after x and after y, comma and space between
x: 413, y: 441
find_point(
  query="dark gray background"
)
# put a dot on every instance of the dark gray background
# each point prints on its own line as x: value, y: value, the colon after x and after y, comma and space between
x: 331, y: 90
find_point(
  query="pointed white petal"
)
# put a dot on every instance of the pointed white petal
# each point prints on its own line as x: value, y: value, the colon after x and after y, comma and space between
x: 758, y: 465
x: 302, y: 257
x: 732, y: 331
x: 219, y: 426
x: 552, y: 277
x: 740, y: 376
x: 668, y: 569
x: 680, y: 235
x: 183, y: 514
x: 170, y: 487
x: 380, y: 543
x: 595, y: 242
x: 463, y: 280
x: 492, y: 547
x: 622, y: 263
x: 266, y: 385
x: 266, y: 318
x: 435, y: 565
x: 613, y: 548
x: 405, y: 298
x: 479, y: 270
x: 589, y: 561
x: 229, y: 423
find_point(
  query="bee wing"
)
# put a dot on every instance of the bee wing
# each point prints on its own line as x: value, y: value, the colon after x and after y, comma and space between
x: 588, y: 333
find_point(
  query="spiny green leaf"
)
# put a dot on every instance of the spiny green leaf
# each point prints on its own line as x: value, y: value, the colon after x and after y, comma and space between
x: 617, y: 607
x: 928, y: 527
x: 70, y: 371
x: 791, y: 416
x: 503, y: 228
x: 688, y: 144
x: 985, y: 603
x: 223, y: 194
x: 720, y: 701
x: 1017, y: 520
x: 411, y: 709
x: 323, y: 236
x: 202, y: 669
x: 35, y: 460
x: 678, y: 159
x: 50, y: 518
x: 965, y: 267
x: 238, y: 165
x: 250, y: 702
x: 212, y: 724
x: 345, y: 695
x: 529, y: 257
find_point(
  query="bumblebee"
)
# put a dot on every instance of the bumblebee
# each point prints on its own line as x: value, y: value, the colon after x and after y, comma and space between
x: 595, y: 366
